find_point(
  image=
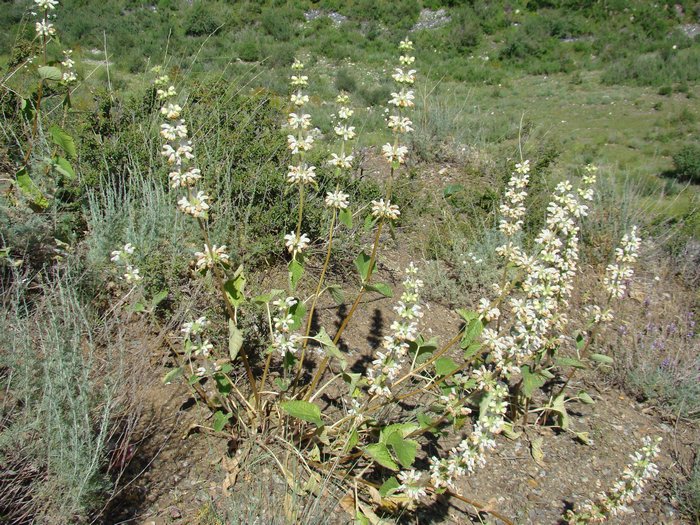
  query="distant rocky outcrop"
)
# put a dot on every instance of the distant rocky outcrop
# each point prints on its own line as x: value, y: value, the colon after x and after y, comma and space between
x: 313, y: 14
x: 430, y: 19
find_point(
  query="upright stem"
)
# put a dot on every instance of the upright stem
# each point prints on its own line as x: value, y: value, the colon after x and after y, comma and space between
x: 344, y: 324
x: 316, y: 296
x: 229, y: 309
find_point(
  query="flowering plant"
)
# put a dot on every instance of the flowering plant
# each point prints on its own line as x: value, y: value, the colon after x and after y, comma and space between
x: 483, y: 379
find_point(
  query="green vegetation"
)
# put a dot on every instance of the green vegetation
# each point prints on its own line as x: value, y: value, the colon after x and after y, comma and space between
x: 562, y: 83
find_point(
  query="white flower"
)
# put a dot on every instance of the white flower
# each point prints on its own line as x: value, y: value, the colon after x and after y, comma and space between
x: 194, y: 327
x: 46, y: 5
x: 173, y: 131
x: 69, y: 76
x: 171, y: 111
x: 299, y: 99
x: 164, y: 94
x: 45, y: 29
x: 189, y: 178
x: 411, y: 484
x: 297, y: 66
x: 406, y: 45
x: 132, y: 274
x: 404, y: 77
x: 346, y: 132
x: 197, y: 207
x: 296, y: 244
x: 385, y: 209
x: 394, y: 153
x: 209, y: 258
x: 337, y: 199
x: 402, y: 99
x: 300, y: 80
x: 301, y: 121
x: 406, y: 60
x: 345, y: 113
x: 400, y: 124
x: 302, y: 174
x: 341, y: 161
x: 296, y: 145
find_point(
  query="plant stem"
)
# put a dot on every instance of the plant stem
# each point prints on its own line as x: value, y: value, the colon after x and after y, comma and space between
x: 316, y: 296
x: 324, y: 364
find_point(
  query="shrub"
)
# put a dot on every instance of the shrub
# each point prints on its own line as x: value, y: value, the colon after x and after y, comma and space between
x: 345, y: 81
x: 202, y: 19
x: 687, y: 163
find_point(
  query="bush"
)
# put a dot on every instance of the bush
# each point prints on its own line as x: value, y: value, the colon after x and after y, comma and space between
x: 687, y: 163
x: 202, y: 19
x: 345, y: 81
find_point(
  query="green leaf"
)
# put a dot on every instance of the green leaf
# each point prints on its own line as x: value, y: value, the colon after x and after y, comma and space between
x: 172, y: 375
x: 423, y: 349
x: 353, y: 440
x: 31, y: 190
x: 471, y: 332
x: 570, y: 361
x: 389, y: 487
x: 382, y: 288
x: 585, y: 398
x: 220, y: 420
x: 472, y: 350
x: 235, y: 340
x: 445, y: 366
x: 405, y: 449
x: 361, y: 519
x: 62, y: 166
x: 235, y: 288
x: 345, y: 217
x: 296, y: 270
x: 223, y: 385
x: 380, y: 453
x: 531, y: 381
x: 64, y: 141
x: 298, y: 311
x: 336, y: 293
x: 50, y: 73
x: 303, y: 410
x: 559, y: 407
x: 369, y: 223
x: 451, y: 189
x: 580, y: 341
x: 266, y: 298
x: 158, y: 298
x: 402, y: 429
x: 331, y: 349
x: 600, y: 358
x: 468, y: 315
x: 362, y: 265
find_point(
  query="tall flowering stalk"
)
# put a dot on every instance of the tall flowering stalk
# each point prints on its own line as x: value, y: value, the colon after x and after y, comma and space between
x: 382, y: 209
x: 625, y: 491
x: 299, y: 142
x: 185, y: 177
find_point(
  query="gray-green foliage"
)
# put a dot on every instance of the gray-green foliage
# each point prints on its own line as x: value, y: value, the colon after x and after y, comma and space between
x: 59, y: 399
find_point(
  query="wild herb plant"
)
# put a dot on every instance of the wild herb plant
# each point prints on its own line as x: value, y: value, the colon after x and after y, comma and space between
x: 45, y: 168
x: 486, y: 380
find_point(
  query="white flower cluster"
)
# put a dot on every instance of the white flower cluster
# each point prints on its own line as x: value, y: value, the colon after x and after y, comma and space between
x: 69, y: 76
x: 402, y: 99
x: 123, y: 257
x: 470, y: 454
x: 382, y: 209
x: 209, y: 258
x: 513, y: 210
x: 196, y: 345
x: 625, y: 491
x: 179, y: 153
x: 536, y: 322
x: 389, y: 361
x: 44, y: 28
x: 283, y: 340
x: 618, y: 274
